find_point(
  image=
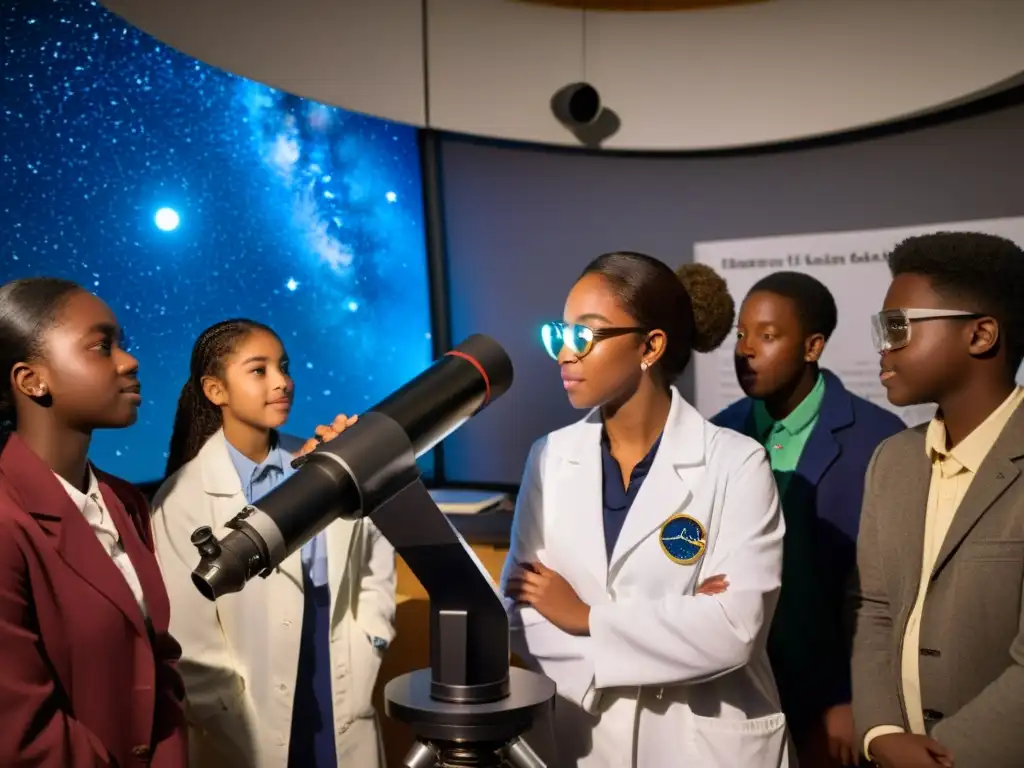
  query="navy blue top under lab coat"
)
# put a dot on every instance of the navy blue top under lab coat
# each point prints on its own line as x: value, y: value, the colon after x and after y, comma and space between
x: 829, y: 484
x: 617, y: 497
x: 311, y: 744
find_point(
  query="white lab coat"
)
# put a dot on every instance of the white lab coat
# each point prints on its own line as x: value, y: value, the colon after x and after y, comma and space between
x: 665, y: 677
x: 240, y: 655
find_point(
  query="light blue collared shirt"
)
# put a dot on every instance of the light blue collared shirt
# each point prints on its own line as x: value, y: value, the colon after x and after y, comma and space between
x: 260, y: 479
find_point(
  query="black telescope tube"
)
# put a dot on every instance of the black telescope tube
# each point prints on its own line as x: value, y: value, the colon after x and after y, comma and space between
x: 443, y: 397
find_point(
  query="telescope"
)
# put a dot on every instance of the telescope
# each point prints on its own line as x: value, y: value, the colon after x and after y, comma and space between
x: 470, y: 708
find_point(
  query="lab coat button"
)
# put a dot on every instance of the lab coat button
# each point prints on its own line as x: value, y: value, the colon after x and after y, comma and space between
x: 286, y: 623
x: 282, y: 687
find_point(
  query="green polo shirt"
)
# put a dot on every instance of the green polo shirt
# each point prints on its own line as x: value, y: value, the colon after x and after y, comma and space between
x: 785, y: 440
x: 792, y: 641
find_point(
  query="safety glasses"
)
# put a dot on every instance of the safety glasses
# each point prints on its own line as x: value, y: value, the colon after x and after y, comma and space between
x: 890, y: 329
x: 580, y: 339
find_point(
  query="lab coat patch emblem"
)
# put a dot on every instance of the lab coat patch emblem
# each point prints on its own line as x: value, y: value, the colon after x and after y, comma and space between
x: 683, y: 540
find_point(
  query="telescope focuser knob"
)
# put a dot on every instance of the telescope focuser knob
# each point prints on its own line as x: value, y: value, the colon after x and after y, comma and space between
x: 204, y: 540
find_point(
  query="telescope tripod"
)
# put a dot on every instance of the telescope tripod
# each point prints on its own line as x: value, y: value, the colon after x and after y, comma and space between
x: 514, y: 754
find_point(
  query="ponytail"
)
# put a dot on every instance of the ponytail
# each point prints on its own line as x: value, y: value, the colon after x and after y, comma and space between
x: 194, y: 422
x: 197, y: 419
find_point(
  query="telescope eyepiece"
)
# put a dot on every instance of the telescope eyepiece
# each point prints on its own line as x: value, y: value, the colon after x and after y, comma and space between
x: 205, y: 587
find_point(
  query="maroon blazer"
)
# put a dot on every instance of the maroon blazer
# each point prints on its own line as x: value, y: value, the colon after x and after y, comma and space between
x: 85, y: 680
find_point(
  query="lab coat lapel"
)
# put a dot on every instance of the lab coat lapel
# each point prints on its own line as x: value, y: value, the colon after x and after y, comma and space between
x: 667, y: 489
x: 579, y: 497
x: 218, y: 473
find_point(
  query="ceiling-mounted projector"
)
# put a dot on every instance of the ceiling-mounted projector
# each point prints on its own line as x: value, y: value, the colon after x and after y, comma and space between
x: 577, y: 104
x: 578, y: 107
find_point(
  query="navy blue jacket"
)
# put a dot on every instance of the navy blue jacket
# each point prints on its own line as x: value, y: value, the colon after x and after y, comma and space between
x: 829, y: 482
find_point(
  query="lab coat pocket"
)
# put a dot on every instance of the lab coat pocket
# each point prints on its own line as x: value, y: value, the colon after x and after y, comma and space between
x: 363, y: 667
x: 719, y: 743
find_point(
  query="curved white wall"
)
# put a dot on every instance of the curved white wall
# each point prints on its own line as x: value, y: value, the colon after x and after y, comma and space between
x: 363, y: 55
x: 764, y: 73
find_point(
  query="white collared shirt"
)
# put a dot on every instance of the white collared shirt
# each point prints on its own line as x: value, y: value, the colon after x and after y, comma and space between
x: 94, y: 509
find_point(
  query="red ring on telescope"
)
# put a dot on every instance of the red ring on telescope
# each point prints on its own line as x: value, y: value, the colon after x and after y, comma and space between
x: 476, y: 364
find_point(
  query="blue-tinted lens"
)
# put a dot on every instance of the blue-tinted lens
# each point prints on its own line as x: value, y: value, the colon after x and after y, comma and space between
x: 552, y: 337
x: 580, y: 339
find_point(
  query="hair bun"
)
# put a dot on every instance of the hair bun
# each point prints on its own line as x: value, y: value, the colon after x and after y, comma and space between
x: 714, y: 311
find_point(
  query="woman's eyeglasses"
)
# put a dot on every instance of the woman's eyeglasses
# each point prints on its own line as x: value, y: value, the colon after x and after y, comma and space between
x: 580, y: 339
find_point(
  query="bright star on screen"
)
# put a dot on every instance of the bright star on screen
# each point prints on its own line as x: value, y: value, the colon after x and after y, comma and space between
x: 167, y: 219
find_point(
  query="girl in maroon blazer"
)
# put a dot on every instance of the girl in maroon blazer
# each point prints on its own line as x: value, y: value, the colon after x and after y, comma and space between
x: 87, y: 673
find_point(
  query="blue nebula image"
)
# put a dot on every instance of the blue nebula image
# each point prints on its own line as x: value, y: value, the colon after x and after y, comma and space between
x: 183, y: 195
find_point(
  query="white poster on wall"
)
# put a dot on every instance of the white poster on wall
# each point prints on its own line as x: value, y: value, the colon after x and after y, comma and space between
x: 853, y: 266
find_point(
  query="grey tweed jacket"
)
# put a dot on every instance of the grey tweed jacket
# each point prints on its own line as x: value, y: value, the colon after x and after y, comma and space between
x: 972, y: 636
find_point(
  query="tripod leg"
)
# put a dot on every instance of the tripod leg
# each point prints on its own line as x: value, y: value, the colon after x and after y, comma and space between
x: 420, y: 756
x: 521, y: 755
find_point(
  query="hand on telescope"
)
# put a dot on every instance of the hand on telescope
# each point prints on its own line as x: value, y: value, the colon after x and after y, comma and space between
x: 327, y: 432
x: 536, y: 585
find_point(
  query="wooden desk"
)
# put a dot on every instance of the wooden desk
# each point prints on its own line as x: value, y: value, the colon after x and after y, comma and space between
x: 487, y: 534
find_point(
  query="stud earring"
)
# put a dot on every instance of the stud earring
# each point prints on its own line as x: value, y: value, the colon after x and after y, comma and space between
x: 42, y: 390
x: 644, y: 366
